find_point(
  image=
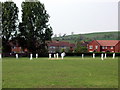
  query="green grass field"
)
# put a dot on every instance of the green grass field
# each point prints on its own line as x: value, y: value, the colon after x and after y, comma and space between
x: 72, y: 72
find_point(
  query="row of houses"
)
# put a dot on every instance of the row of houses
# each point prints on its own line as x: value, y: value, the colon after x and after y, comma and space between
x: 104, y: 46
x: 93, y: 46
x: 59, y: 46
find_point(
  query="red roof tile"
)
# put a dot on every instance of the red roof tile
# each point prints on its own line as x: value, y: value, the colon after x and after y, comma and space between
x: 108, y: 42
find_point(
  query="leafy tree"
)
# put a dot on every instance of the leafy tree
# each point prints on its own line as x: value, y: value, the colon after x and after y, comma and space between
x: 70, y: 50
x: 62, y: 50
x: 84, y: 49
x: 80, y: 48
x: 9, y: 23
x: 34, y: 27
x: 0, y: 25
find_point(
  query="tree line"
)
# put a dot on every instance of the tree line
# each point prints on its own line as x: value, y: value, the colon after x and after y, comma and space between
x: 32, y: 32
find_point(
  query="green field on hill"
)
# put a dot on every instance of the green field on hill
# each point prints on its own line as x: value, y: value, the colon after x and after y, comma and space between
x: 89, y: 37
x: 72, y: 72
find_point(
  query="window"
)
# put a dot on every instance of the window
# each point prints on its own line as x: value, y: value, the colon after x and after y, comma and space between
x: 96, y: 47
x: 90, y: 47
x: 65, y: 47
x: 62, y: 46
x: 111, y: 47
x: 103, y: 47
x: 52, y: 47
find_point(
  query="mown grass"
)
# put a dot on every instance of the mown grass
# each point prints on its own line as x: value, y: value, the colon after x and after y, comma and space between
x: 72, y: 72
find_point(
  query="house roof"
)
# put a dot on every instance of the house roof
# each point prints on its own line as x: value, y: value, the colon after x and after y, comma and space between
x: 108, y: 42
x: 84, y: 43
x: 60, y: 44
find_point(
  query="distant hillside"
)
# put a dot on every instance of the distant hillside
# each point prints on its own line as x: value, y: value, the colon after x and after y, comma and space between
x: 89, y: 37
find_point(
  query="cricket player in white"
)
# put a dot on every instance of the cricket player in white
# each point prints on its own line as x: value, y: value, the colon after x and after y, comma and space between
x: 30, y: 56
x: 16, y: 56
x: 62, y: 55
x: 113, y: 55
x: 54, y: 55
x: 57, y: 55
x: 82, y: 56
x: 0, y: 56
x: 102, y: 56
x: 36, y: 55
x: 93, y: 55
x: 50, y: 56
x: 105, y: 55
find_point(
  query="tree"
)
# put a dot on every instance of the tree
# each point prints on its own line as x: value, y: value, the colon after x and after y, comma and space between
x: 9, y: 23
x: 62, y: 50
x: 34, y: 26
x: 80, y: 48
x: 0, y: 25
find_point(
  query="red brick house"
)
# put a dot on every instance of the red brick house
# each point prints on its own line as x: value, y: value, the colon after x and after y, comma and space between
x: 104, y: 46
x: 16, y: 48
x: 57, y: 46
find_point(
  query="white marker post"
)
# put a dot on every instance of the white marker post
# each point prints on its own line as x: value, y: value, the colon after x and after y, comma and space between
x: 0, y: 56
x: 16, y: 56
x: 49, y: 56
x: 82, y: 56
x: 113, y: 55
x: 30, y: 56
x: 105, y: 55
x: 93, y: 55
x: 57, y: 55
x: 102, y: 56
x: 36, y: 55
x: 54, y: 55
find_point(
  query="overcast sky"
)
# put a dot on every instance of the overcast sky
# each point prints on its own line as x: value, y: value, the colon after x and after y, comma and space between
x: 81, y: 16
